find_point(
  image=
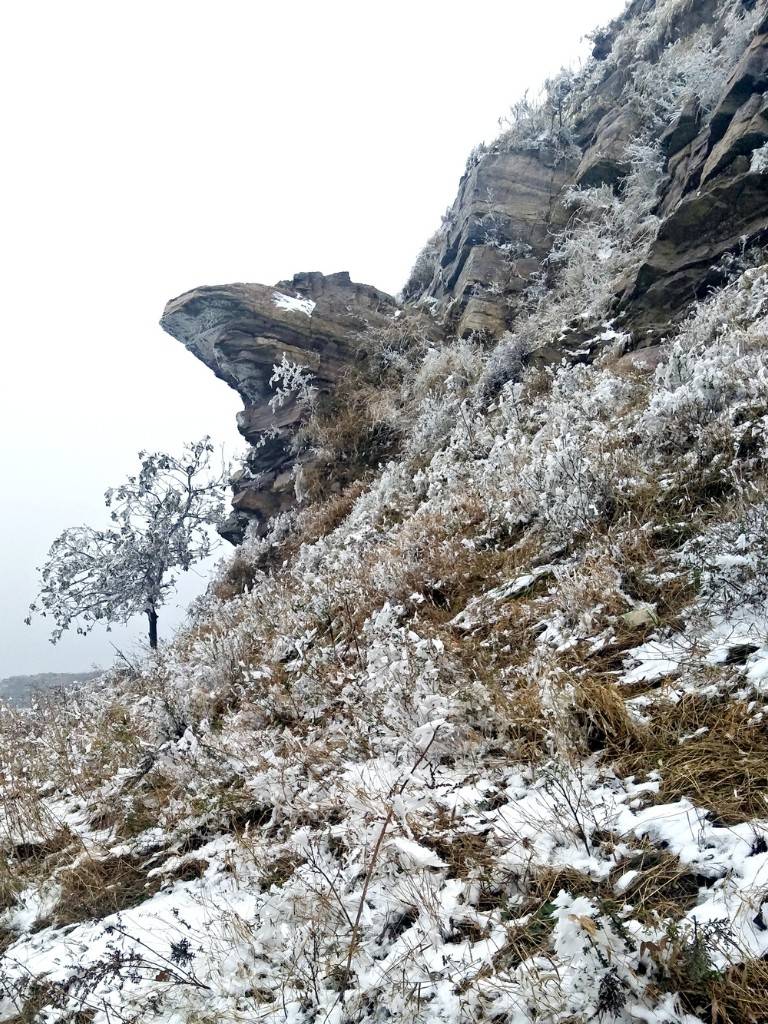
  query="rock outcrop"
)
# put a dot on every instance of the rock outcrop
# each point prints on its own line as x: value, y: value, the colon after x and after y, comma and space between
x: 500, y: 228
x: 242, y: 332
x: 499, y: 232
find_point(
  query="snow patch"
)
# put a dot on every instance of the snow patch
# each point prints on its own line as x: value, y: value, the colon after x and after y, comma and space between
x: 293, y: 304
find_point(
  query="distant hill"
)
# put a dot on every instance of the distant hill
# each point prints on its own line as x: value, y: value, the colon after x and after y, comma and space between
x: 20, y: 689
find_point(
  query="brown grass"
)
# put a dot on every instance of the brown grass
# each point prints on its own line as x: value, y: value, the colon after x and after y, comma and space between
x: 462, y: 851
x: 323, y: 517
x: 663, y: 889
x: 353, y: 431
x: 723, y: 769
x: 237, y: 578
x: 24, y: 864
x: 601, y: 714
x: 545, y: 883
x: 98, y: 888
x: 740, y: 995
x: 35, y: 997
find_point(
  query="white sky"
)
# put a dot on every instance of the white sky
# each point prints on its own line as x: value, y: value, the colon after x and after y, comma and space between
x: 149, y: 147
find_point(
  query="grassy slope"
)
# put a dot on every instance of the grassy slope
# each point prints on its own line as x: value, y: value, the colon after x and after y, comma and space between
x: 490, y: 744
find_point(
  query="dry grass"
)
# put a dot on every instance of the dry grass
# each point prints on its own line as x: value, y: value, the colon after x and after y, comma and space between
x: 713, y: 751
x: 39, y: 996
x: 26, y: 863
x: 545, y: 883
x: 349, y: 434
x: 523, y: 724
x: 277, y: 870
x: 600, y: 712
x: 463, y: 852
x: 323, y: 517
x: 434, y: 559
x: 684, y: 964
x: 662, y: 890
x: 238, y: 577
x: 645, y: 567
x: 97, y: 888
x: 526, y: 940
x: 740, y: 994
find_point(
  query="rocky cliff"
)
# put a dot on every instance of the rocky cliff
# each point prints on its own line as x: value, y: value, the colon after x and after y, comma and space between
x: 690, y: 85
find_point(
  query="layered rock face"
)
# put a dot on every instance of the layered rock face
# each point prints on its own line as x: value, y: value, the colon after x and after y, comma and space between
x: 499, y: 232
x: 715, y: 201
x: 500, y: 228
x: 243, y: 332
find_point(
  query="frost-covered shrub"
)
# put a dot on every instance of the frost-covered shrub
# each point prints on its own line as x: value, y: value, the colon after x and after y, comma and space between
x: 435, y: 397
x: 452, y: 366
x: 729, y: 560
x: 543, y: 123
x: 608, y: 236
x: 686, y: 68
x: 291, y: 380
x: 573, y: 474
x: 666, y: 68
x: 424, y: 268
x: 716, y: 372
x: 393, y: 353
x: 759, y: 164
x: 505, y: 364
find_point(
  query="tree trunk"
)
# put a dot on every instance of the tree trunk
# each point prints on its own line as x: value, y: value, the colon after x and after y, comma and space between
x: 152, y: 616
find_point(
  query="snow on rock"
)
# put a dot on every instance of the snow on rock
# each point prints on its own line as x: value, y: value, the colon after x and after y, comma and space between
x: 293, y: 303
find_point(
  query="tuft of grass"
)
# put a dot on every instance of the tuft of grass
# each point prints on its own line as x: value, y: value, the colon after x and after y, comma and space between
x: 350, y: 433
x: 94, y: 889
x: 527, y: 939
x: 601, y: 713
x: 711, y: 750
x: 736, y: 995
x: 663, y: 889
x: 740, y: 994
x: 546, y: 883
x: 462, y: 851
x: 237, y: 579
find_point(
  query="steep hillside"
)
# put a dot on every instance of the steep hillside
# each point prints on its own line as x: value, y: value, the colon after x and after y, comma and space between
x: 473, y: 723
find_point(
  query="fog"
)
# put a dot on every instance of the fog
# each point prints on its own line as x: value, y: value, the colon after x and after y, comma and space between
x: 152, y: 147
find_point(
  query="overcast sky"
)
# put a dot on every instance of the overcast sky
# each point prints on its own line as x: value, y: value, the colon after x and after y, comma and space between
x: 149, y: 147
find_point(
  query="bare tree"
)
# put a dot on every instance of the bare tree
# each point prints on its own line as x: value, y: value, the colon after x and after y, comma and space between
x: 162, y: 521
